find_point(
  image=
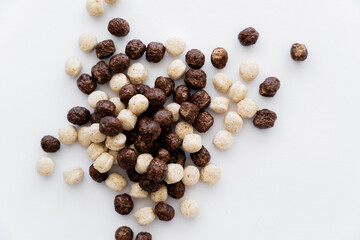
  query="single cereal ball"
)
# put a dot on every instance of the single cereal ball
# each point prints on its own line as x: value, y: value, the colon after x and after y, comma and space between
x: 210, y: 174
x: 144, y: 216
x: 189, y: 112
x: 87, y: 42
x: 172, y: 141
x: 126, y: 158
x: 176, y: 69
x: 269, y: 87
x: 164, y: 211
x: 95, y: 8
x: 78, y: 115
x: 195, y: 58
x: 104, y: 162
x: 249, y: 70
x: 119, y: 63
x: 247, y: 108
x: 138, y: 104
x: 124, y: 233
x: 166, y: 84
x: 174, y: 109
x: 298, y: 52
x: 119, y: 27
x: 201, y: 99
x: 191, y: 175
x: 189, y: 208
x: 118, y: 81
x: 222, y: 82
x: 135, y: 49
x: 84, y: 136
x: 163, y: 117
x: 67, y: 134
x: 204, y: 122
x: 45, y: 166
x: 96, y: 96
x: 111, y: 2
x: 219, y: 58
x: 181, y: 94
x: 142, y: 162
x: 73, y: 175
x: 127, y: 92
x: 116, y: 143
x: 192, y: 143
x: 248, y: 36
x: 160, y: 195
x: 238, y: 92
x: 116, y: 182
x: 223, y: 140
x: 50, y: 144
x: 175, y: 173
x: 233, y: 122
x: 143, y: 236
x: 175, y: 46
x: 96, y: 175
x: 157, y: 170
x: 201, y: 158
x: 183, y: 128
x: 137, y: 73
x: 73, y: 66
x: 123, y: 204
x: 95, y: 150
x: 137, y: 192
x: 86, y: 83
x: 118, y: 105
x: 264, y: 119
x: 219, y: 104
x: 128, y: 119
x: 155, y: 52
x: 95, y: 135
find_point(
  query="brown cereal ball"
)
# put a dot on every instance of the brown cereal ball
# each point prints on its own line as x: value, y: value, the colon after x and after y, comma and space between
x: 163, y: 155
x: 163, y: 117
x: 119, y: 63
x: 130, y: 136
x: 269, y: 87
x: 78, y: 115
x: 264, y: 119
x: 195, y: 58
x: 143, y: 236
x: 149, y: 127
x: 189, y: 112
x: 105, y: 108
x: 155, y: 52
x: 86, y: 83
x: 178, y: 157
x: 126, y: 158
x: 133, y: 175
x: 219, y: 58
x: 118, y: 27
x: 248, y: 36
x: 299, y: 52
x: 135, y: 49
x: 124, y: 233
x: 110, y: 126
x: 156, y: 97
x: 101, y: 72
x: 50, y: 144
x: 195, y: 79
x: 201, y: 158
x: 105, y: 49
x: 172, y: 141
x: 201, y: 99
x: 157, y: 170
x: 127, y: 92
x: 182, y: 94
x: 123, y: 204
x: 148, y: 185
x: 142, y: 88
x: 166, y: 84
x: 96, y: 175
x: 143, y: 143
x: 204, y: 122
x: 96, y: 118
x: 164, y: 211
x: 176, y: 190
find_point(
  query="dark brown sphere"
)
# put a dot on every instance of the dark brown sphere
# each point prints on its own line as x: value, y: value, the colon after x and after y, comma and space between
x: 155, y: 51
x: 195, y: 58
x: 123, y: 204
x: 135, y: 49
x: 110, y: 126
x: 181, y: 94
x: 201, y: 99
x: 50, y: 144
x: 163, y: 117
x: 269, y: 87
x: 119, y: 27
x: 143, y: 236
x: 166, y: 84
x: 248, y: 36
x: 195, y: 79
x: 172, y: 141
x: 178, y: 157
x: 148, y: 185
x: 127, y: 92
x: 105, y: 49
x: 156, y: 97
x: 126, y: 158
x: 164, y: 211
x: 264, y: 119
x: 201, y: 158
x: 96, y: 175
x: 219, y: 58
x: 78, y: 115
x: 204, y: 122
x: 105, y: 108
x: 157, y: 170
x: 176, y: 190
x: 189, y: 112
x: 101, y: 72
x: 299, y: 52
x: 86, y: 83
x: 124, y: 233
x: 119, y: 63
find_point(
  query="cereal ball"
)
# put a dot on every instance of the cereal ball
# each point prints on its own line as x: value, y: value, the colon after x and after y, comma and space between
x: 73, y: 175
x: 166, y: 84
x: 105, y: 108
x: 119, y: 63
x: 96, y: 175
x: 78, y: 115
x: 189, y: 112
x: 135, y: 49
x: 73, y: 66
x: 105, y: 49
x: 112, y: 2
x: 183, y: 128
x: 172, y: 141
x: 50, y: 144
x: 144, y: 216
x: 181, y: 94
x: 223, y: 140
x: 142, y: 162
x: 123, y: 233
x: 174, y: 109
x: 204, y: 122
x: 128, y: 119
x: 219, y: 58
x: 126, y: 158
x: 175, y: 46
x: 119, y: 27
x: 114, y: 154
x: 163, y: 155
x: 222, y: 82
x: 116, y: 182
x: 87, y: 42
x: 130, y: 136
x: 95, y: 135
x: 248, y: 36
x: 138, y: 104
x: 133, y: 175
x: 155, y: 52
x: 298, y: 52
x: 219, y: 104
x: 195, y: 58
x: 84, y: 136
x: 95, y: 150
x: 175, y: 173
x: 137, y: 192
x: 192, y: 143
x: 142, y: 88
x: 201, y: 99
x: 143, y: 236
x: 264, y: 119
x: 176, y: 190
x: 189, y: 208
x: 137, y: 73
x: 210, y: 174
x: 101, y: 72
x: 123, y: 204
x: 178, y: 157
x: 86, y: 83
x: 127, y: 92
x: 269, y: 87
x: 116, y: 143
x: 157, y: 170
x: 249, y: 70
x: 148, y: 127
x: 191, y: 175
x: 96, y: 96
x: 247, y: 108
x: 164, y: 211
x: 148, y: 185
x: 45, y: 166
x: 237, y: 92
x: 195, y: 79
x: 144, y: 143
x: 95, y: 7
x: 118, y: 105
x: 156, y: 97
x: 201, y: 158
x: 160, y: 195
x: 104, y: 162
x: 118, y: 81
x: 163, y: 117
x: 233, y: 122
x: 67, y: 134
x: 176, y: 69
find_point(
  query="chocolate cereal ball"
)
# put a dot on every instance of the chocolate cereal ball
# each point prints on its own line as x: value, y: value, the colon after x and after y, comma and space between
x: 124, y: 233
x: 110, y: 126
x: 189, y: 112
x: 201, y: 158
x: 101, y: 72
x: 269, y: 87
x: 195, y: 58
x: 163, y: 155
x: 126, y: 158
x: 176, y: 190
x: 50, y: 144
x: 142, y: 88
x: 299, y: 52
x: 164, y: 211
x: 105, y: 108
x: 143, y: 143
x: 123, y: 204
x: 201, y: 99
x: 172, y: 141
x: 157, y: 170
x: 127, y: 92
x: 149, y: 127
x: 96, y: 175
x: 195, y: 79
x: 155, y: 52
x: 248, y: 36
x: 78, y: 115
x: 163, y: 117
x: 86, y: 83
x: 148, y: 185
x: 264, y: 119
x: 156, y: 97
x: 133, y: 175
x: 166, y: 84
x: 105, y: 49
x: 135, y: 49
x: 204, y: 122
x: 178, y: 157
x: 181, y: 94
x: 119, y: 63
x: 118, y: 27
x: 143, y: 236
x: 219, y: 58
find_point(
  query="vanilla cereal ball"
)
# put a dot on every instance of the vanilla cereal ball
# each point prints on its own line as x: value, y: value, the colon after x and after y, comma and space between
x: 175, y: 46
x: 238, y: 92
x: 174, y: 109
x: 95, y: 150
x: 222, y: 82
x: 176, y: 69
x: 67, y: 134
x: 104, y: 162
x: 249, y: 70
x: 191, y: 175
x: 95, y: 7
x: 73, y: 175
x: 175, y: 173
x: 142, y: 162
x: 189, y: 208
x: 111, y: 2
x: 192, y: 143
x: 137, y: 192
x: 96, y: 96
x: 137, y: 73
x: 247, y: 108
x: 233, y: 122
x: 210, y: 174
x: 160, y: 195
x: 223, y: 140
x: 118, y: 81
x: 114, y: 154
x: 128, y: 119
x: 144, y: 216
x: 87, y: 42
x: 95, y: 135
x: 116, y: 182
x: 138, y: 104
x: 45, y: 166
x: 118, y: 105
x: 219, y: 104
x: 183, y: 128
x: 116, y: 143
x: 84, y: 136
x: 73, y: 66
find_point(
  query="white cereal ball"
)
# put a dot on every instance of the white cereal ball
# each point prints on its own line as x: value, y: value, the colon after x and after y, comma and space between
x: 247, y: 108
x: 210, y: 174
x: 175, y: 173
x: 137, y: 192
x: 95, y: 150
x: 238, y: 92
x: 67, y: 134
x: 160, y: 195
x: 191, y: 175
x: 183, y: 128
x: 96, y: 96
x: 87, y: 42
x: 144, y: 216
x: 118, y: 105
x: 174, y: 109
x: 175, y: 46
x: 84, y: 136
x: 192, y: 143
x: 128, y: 119
x: 104, y: 162
x: 176, y: 69
x: 137, y: 73
x: 116, y: 143
x: 138, y: 104
x: 249, y: 70
x: 95, y: 7
x: 223, y: 140
x: 73, y: 175
x: 219, y: 104
x: 114, y: 154
x: 233, y: 122
x: 142, y: 162
x: 111, y: 2
x: 189, y: 208
x: 116, y: 182
x: 222, y: 82
x: 73, y: 66
x: 45, y: 166
x: 118, y: 81
x: 95, y: 135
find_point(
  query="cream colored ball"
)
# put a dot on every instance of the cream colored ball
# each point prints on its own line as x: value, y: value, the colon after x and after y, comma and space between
x: 222, y: 82
x: 116, y: 182
x: 128, y: 119
x: 142, y: 162
x: 95, y: 8
x: 104, y: 162
x: 118, y: 105
x: 138, y: 104
x: 238, y: 92
x: 210, y: 174
x: 111, y: 2
x: 95, y: 135
x: 67, y: 134
x: 233, y: 122
x: 73, y: 66
x: 114, y: 154
x: 160, y: 195
x: 144, y: 216
x: 183, y: 128
x: 175, y: 173
x: 191, y: 175
x: 219, y: 104
x: 176, y: 69
x: 192, y: 143
x: 137, y: 73
x: 223, y: 140
x: 95, y: 150
x: 137, y: 192
x: 84, y: 136
x: 175, y: 46
x: 118, y: 81
x: 73, y: 175
x: 249, y: 70
x: 247, y: 108
x: 116, y: 143
x: 174, y: 109
x: 189, y: 208
x: 87, y: 42
x: 45, y: 166
x: 96, y: 96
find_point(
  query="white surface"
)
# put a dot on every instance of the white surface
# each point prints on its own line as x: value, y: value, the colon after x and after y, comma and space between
x: 299, y: 180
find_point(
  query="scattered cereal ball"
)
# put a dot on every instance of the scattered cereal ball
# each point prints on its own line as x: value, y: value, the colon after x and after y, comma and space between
x: 249, y: 70
x: 210, y: 174
x: 95, y: 135
x: 160, y: 195
x: 191, y: 175
x: 298, y: 52
x: 96, y: 96
x: 192, y: 143
x: 204, y: 122
x: 123, y: 233
x: 104, y: 162
x: 176, y: 69
x: 116, y: 182
x: 119, y: 27
x: 137, y: 192
x: 96, y: 175
x: 84, y: 136
x: 73, y: 175
x: 45, y: 166
x: 118, y: 105
x: 128, y: 119
x: 189, y: 208
x: 155, y: 52
x: 175, y: 173
x: 116, y: 143
x: 50, y: 144
x: 67, y: 134
x: 175, y: 46
x: 166, y: 84
x: 95, y: 7
x: 86, y: 83
x: 142, y: 162
x: 127, y: 92
x: 219, y: 104
x: 195, y: 58
x: 233, y: 122
x: 181, y: 94
x: 248, y: 36
x: 73, y: 67
x: 269, y: 87
x: 126, y: 158
x: 117, y: 81
x: 201, y: 158
x: 87, y: 42
x: 223, y: 140
x: 164, y: 211
x: 237, y: 92
x: 183, y: 128
x: 135, y: 49
x: 143, y: 236
x: 247, y: 108
x: 219, y: 58
x: 157, y: 170
x: 137, y: 73
x: 111, y: 2
x: 222, y: 82
x: 144, y: 216
x: 138, y: 104
x: 95, y: 150
x: 123, y: 204
x: 174, y: 109
x: 264, y: 119
x: 78, y: 115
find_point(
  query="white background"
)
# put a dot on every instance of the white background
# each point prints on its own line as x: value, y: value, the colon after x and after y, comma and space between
x: 299, y: 180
